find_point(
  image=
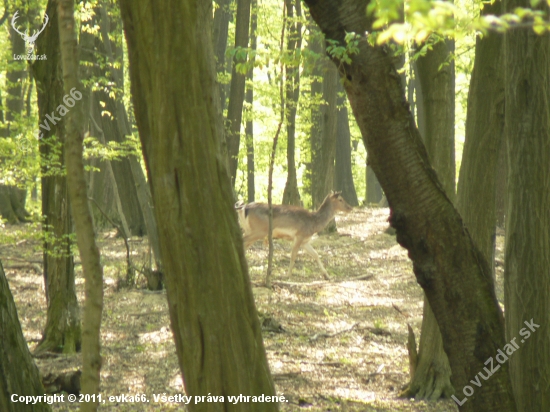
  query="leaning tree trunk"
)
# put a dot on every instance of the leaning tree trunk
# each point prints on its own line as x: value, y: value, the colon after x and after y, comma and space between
x: 431, y: 379
x: 527, y: 259
x: 450, y: 268
x: 214, y: 321
x: 62, y: 332
x: 291, y: 195
x: 18, y: 374
x: 85, y: 236
x: 236, y: 93
x: 343, y: 176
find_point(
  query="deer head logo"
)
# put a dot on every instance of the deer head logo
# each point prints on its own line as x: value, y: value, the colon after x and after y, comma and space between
x: 29, y: 39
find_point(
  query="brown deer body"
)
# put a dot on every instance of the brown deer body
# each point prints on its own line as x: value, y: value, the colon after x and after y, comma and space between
x: 290, y: 222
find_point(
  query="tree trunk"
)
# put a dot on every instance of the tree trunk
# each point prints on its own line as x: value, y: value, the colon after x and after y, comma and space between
x: 343, y: 176
x: 12, y: 204
x: 118, y: 198
x: 18, y: 372
x: 323, y: 142
x: 526, y: 274
x: 236, y: 94
x: 431, y: 379
x: 291, y: 195
x: 16, y: 75
x: 85, y: 236
x: 214, y: 321
x: 222, y: 15
x: 249, y: 128
x: 436, y: 78
x: 476, y: 199
x: 374, y: 192
x: 450, y: 268
x: 62, y: 332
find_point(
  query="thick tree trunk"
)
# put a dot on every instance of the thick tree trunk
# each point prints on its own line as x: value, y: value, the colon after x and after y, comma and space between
x: 436, y: 78
x: 214, y: 321
x: 62, y: 332
x: 452, y: 271
x: 236, y: 94
x: 476, y: 199
x: 343, y: 176
x: 431, y: 379
x: 18, y: 373
x: 527, y: 260
x: 85, y: 236
x: 291, y: 195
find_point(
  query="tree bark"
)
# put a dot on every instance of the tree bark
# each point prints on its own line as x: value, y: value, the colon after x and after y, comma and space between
x: 450, y: 268
x: 236, y: 94
x: 62, y: 332
x: 343, y: 176
x: 214, y: 321
x: 222, y: 15
x: 18, y: 372
x: 476, y: 199
x: 527, y: 258
x: 374, y: 192
x: 291, y: 195
x: 436, y: 78
x: 323, y: 142
x: 249, y: 128
x: 85, y: 236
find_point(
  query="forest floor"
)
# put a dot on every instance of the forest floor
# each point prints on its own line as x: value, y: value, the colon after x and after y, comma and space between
x: 337, y: 345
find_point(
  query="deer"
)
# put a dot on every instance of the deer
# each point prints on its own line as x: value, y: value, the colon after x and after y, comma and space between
x: 290, y: 222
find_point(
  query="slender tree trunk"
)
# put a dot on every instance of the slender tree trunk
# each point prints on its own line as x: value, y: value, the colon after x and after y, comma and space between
x: 527, y: 259
x: 249, y: 129
x: 343, y: 176
x: 431, y: 379
x: 214, y: 321
x: 222, y: 14
x: 291, y: 195
x: 452, y: 271
x: 236, y: 94
x: 89, y: 253
x: 62, y: 332
x: 323, y: 144
x: 19, y: 375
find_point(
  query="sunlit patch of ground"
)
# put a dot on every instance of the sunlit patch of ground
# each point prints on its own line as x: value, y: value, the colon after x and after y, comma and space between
x: 343, y: 342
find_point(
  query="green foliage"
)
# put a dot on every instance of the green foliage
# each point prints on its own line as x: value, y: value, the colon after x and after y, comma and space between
x: 422, y: 18
x: 342, y: 52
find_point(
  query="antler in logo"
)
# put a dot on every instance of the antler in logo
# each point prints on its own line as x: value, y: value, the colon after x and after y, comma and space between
x: 29, y: 39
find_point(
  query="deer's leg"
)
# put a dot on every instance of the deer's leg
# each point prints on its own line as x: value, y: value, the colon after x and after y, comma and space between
x: 309, y: 249
x: 251, y: 238
x: 294, y: 253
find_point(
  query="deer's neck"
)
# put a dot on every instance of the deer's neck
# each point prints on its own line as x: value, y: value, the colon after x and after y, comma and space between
x: 324, y: 214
